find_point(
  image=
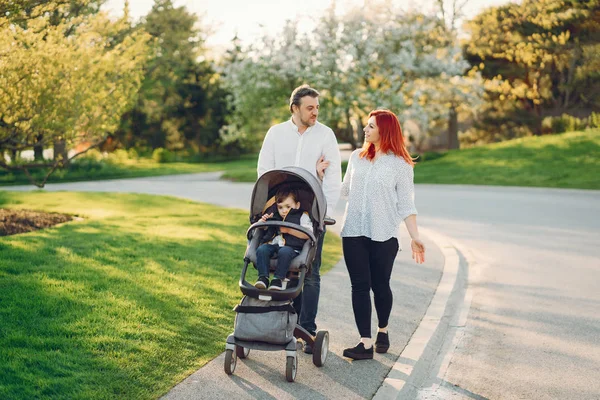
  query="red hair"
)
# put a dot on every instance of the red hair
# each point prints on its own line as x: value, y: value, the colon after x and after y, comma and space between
x: 391, y: 137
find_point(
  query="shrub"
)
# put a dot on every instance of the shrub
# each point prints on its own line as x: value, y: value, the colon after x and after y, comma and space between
x: 161, y: 156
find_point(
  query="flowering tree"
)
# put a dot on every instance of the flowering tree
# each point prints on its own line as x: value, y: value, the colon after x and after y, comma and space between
x: 64, y: 82
x: 359, y: 61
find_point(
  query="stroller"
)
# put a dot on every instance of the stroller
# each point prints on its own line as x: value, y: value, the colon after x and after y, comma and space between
x: 266, y: 319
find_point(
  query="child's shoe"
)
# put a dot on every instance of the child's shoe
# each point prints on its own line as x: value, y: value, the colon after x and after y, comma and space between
x: 262, y: 282
x: 276, y: 284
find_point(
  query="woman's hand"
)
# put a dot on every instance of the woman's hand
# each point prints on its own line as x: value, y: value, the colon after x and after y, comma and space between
x: 418, y: 251
x: 322, y: 165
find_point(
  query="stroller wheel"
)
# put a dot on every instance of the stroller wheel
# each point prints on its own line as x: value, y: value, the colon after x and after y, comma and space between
x: 290, y: 368
x: 321, y: 348
x: 230, y: 361
x: 242, y: 352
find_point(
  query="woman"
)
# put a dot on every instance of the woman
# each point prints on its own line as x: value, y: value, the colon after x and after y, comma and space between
x: 380, y: 190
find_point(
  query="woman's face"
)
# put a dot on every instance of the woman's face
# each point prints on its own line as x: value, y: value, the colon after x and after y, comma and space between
x: 372, y: 132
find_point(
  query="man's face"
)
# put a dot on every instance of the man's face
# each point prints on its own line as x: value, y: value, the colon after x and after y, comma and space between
x: 308, y: 111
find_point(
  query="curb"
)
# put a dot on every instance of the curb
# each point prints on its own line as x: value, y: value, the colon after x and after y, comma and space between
x: 400, y: 374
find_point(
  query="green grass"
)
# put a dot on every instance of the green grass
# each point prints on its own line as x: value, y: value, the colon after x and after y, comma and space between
x: 245, y: 171
x: 124, y: 304
x: 142, y: 167
x: 569, y: 160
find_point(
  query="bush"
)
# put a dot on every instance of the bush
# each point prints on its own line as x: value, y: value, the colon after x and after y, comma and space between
x: 133, y: 154
x: 161, y: 156
x: 566, y: 123
x: 119, y: 156
x: 93, y: 154
x: 594, y: 121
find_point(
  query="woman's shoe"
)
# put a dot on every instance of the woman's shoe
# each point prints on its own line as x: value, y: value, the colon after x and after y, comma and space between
x: 359, y: 352
x: 382, y: 344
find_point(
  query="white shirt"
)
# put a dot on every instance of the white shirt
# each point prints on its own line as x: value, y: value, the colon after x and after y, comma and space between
x: 304, y: 221
x: 284, y: 146
x: 380, y: 196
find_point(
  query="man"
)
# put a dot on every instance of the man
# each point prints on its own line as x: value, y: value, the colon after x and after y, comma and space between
x: 303, y: 142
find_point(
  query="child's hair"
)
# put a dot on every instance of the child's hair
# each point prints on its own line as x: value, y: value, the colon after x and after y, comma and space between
x: 284, y: 193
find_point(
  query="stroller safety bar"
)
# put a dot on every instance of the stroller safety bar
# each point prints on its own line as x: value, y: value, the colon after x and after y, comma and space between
x: 262, y: 224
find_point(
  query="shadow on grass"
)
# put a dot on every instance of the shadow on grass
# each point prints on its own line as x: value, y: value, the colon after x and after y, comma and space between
x: 98, y: 310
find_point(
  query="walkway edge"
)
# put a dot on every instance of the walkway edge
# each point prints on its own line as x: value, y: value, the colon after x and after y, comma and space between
x: 402, y: 369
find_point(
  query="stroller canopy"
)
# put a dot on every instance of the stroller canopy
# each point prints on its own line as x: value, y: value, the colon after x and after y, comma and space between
x: 309, y: 189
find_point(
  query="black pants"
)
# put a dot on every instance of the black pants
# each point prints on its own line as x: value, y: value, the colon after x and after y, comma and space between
x: 370, y: 266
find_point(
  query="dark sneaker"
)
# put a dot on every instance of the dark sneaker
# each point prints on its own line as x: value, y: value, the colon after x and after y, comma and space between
x: 262, y: 282
x: 382, y: 344
x: 359, y: 352
x: 276, y: 284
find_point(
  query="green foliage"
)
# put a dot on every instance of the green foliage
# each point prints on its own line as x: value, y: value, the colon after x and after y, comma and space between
x: 161, y: 155
x: 537, y: 57
x: 181, y: 104
x: 359, y: 61
x: 49, y: 47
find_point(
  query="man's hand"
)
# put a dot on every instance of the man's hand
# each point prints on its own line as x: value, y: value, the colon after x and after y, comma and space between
x: 322, y: 165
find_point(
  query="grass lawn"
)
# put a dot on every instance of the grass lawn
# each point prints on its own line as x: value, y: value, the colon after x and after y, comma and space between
x: 127, y: 169
x: 124, y: 304
x: 569, y: 160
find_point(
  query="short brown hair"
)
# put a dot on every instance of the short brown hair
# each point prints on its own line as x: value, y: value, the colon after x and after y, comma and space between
x: 284, y: 193
x: 299, y: 93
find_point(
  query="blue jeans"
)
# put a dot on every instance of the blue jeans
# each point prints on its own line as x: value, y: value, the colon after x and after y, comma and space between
x: 308, y: 300
x: 285, y: 255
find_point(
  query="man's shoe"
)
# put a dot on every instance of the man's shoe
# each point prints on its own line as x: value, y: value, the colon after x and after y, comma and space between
x: 262, y: 282
x: 308, y: 348
x: 359, y: 352
x: 382, y: 344
x: 276, y: 284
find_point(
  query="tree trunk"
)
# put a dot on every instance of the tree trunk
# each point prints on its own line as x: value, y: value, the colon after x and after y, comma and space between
x: 453, y: 142
x: 60, y: 151
x: 38, y: 149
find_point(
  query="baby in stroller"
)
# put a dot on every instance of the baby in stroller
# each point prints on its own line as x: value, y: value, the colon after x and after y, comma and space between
x: 283, y: 201
x: 284, y: 242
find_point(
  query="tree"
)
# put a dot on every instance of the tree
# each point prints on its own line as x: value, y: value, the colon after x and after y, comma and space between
x: 539, y: 58
x: 181, y: 104
x: 359, y: 61
x: 63, y: 82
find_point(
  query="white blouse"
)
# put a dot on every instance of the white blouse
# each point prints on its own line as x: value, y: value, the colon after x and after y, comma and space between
x: 380, y: 196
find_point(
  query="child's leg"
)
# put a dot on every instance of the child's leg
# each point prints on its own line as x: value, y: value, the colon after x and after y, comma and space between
x: 284, y: 259
x: 263, y: 258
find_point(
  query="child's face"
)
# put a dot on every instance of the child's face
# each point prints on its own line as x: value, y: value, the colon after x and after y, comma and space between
x: 286, y: 205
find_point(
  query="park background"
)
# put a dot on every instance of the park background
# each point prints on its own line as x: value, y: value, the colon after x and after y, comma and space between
x: 137, y: 292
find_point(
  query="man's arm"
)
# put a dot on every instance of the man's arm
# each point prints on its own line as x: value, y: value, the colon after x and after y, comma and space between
x: 332, y: 181
x: 266, y: 157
